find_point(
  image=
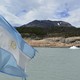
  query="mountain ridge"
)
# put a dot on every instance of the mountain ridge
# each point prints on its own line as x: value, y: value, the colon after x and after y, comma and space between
x: 47, y: 24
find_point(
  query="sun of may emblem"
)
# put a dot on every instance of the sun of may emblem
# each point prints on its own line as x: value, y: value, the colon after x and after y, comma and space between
x: 13, y: 44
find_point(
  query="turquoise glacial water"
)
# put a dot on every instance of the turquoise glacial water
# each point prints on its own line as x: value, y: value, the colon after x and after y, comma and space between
x: 52, y: 64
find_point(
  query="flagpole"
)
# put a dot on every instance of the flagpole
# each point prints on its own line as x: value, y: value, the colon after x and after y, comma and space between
x: 25, y: 71
x: 24, y: 78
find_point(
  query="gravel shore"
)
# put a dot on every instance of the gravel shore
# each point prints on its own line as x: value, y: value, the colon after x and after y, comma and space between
x: 54, y: 42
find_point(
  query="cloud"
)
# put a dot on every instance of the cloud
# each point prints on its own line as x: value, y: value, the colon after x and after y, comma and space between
x: 74, y: 17
x: 19, y: 12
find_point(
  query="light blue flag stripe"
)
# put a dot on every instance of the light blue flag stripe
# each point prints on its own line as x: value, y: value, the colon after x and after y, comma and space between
x: 9, y: 66
x: 21, y: 44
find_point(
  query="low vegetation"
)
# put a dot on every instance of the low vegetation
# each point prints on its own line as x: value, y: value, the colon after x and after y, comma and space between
x: 39, y: 33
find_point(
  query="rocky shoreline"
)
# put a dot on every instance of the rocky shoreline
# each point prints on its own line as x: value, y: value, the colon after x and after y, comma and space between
x: 54, y: 42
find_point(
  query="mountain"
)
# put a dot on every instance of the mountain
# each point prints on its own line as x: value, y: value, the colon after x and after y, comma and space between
x: 47, y: 24
x: 47, y: 28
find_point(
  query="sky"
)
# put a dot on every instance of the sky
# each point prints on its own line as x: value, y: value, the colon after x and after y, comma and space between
x: 20, y: 12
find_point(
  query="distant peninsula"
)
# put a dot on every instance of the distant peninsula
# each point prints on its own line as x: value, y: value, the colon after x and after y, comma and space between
x: 47, y: 33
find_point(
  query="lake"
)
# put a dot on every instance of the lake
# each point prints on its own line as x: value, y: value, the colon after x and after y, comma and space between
x: 52, y: 64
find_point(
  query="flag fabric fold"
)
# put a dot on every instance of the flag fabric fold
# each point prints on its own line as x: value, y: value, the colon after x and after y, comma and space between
x: 15, y: 53
x: 8, y: 64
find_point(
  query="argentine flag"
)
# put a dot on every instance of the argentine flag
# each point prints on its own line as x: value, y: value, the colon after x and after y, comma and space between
x: 14, y: 51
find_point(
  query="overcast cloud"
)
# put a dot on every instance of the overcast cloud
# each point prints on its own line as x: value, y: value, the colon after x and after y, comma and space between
x: 19, y: 12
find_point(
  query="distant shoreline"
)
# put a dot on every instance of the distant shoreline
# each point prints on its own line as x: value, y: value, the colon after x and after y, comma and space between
x: 54, y: 42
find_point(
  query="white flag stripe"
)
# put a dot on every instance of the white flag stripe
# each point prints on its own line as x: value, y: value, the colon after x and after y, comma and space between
x: 8, y: 43
x: 23, y: 60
